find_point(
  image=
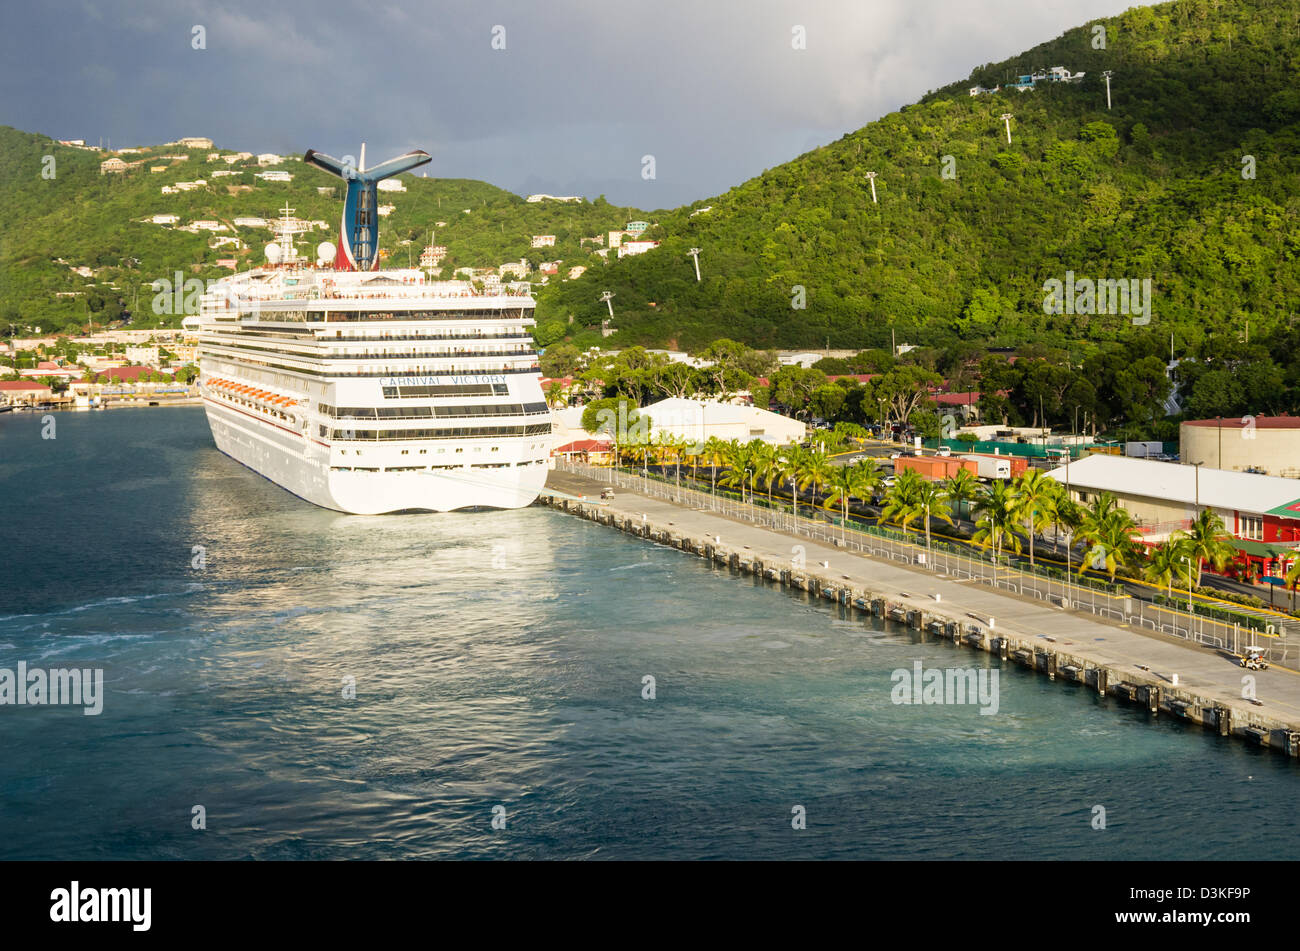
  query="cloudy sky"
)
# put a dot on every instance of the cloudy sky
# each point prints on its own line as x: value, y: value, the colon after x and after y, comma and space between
x: 582, y: 90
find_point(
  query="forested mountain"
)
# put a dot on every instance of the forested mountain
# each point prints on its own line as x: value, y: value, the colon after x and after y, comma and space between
x: 1191, y: 179
x: 68, y: 211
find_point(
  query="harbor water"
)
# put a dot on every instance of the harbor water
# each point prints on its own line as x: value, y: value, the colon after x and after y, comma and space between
x: 478, y: 685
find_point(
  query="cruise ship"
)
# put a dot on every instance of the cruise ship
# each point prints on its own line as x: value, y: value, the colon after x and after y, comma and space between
x: 373, y: 391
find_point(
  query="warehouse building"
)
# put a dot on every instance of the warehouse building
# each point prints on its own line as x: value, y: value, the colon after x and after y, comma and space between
x: 1261, y: 512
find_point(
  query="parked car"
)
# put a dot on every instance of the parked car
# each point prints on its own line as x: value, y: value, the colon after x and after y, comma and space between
x: 944, y: 451
x: 606, y: 493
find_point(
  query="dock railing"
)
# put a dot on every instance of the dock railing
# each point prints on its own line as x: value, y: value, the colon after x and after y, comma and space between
x: 961, y: 563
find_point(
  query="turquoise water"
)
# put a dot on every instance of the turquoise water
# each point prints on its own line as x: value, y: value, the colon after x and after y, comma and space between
x: 498, y: 661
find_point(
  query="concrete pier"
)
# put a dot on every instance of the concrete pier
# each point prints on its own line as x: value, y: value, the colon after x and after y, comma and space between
x: 1261, y: 707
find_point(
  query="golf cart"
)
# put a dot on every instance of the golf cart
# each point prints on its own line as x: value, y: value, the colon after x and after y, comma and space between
x: 1253, y: 659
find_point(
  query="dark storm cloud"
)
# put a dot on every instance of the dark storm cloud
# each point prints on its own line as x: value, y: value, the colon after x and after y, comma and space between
x: 582, y: 90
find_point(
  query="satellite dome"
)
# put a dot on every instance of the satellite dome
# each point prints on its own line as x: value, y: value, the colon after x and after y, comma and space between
x: 325, y: 252
x: 273, y: 253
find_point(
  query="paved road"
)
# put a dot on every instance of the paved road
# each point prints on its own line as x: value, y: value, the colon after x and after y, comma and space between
x: 1201, y: 670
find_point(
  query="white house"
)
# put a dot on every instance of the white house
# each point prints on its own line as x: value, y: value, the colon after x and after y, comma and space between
x: 636, y: 247
x: 165, y: 219
x: 250, y: 222
x: 274, y: 175
x: 543, y: 240
x: 269, y: 158
x: 698, y: 420
x: 391, y: 185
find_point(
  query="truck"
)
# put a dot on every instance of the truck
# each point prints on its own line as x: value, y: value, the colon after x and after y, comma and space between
x: 1144, y: 449
x: 991, y: 467
x: 933, y: 468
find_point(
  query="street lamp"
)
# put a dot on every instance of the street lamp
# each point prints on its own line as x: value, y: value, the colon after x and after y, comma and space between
x: 1197, y: 502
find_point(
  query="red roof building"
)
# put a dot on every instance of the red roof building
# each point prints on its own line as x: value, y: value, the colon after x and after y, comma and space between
x: 126, y: 374
x: 20, y: 392
x: 593, y: 451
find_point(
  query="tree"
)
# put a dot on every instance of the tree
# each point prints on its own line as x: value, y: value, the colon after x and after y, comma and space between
x: 1111, y: 536
x: 962, y: 486
x: 1207, y: 540
x: 713, y: 455
x: 1166, y: 560
x: 995, y: 519
x: 931, y: 501
x: 901, y: 500
x: 767, y: 467
x: 816, y: 470
x: 858, y: 481
x: 904, y: 388
x: 791, y: 467
x: 1033, y: 492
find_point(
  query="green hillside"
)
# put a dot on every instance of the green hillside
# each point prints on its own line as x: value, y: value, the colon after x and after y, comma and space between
x: 93, y: 220
x: 1203, y: 92
x: 1153, y: 188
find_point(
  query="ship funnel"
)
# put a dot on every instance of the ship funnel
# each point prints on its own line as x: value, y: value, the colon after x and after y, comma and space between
x: 359, y: 230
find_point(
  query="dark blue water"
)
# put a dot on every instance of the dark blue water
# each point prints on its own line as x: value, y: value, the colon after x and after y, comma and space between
x: 498, y: 660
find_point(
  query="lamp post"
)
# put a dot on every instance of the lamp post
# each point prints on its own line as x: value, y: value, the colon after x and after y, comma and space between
x: 1197, y: 502
x: 1219, y: 463
x: 1070, y: 543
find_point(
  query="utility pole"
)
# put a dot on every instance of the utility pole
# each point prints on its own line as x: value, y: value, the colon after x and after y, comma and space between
x: 695, y: 254
x: 1007, y: 117
x: 1108, y: 73
x: 871, y: 177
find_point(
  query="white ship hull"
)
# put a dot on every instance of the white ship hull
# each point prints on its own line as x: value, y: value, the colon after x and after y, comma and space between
x: 300, y: 466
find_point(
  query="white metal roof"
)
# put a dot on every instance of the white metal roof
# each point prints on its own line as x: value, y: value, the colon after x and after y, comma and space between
x: 1172, y: 482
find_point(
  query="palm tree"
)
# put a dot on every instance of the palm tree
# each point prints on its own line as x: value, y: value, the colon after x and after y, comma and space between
x: 1165, y: 561
x: 1292, y: 578
x: 791, y: 466
x: 855, y: 481
x: 1208, y: 541
x: 1112, y: 541
x: 712, y: 456
x: 995, y: 519
x: 767, y: 467
x: 931, y: 502
x: 736, y: 457
x: 817, y: 471
x: 901, y: 501
x: 962, y: 486
x: 1033, y: 494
